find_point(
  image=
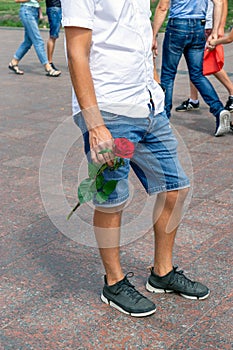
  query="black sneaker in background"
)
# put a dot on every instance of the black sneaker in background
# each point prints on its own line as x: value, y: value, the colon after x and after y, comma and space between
x: 176, y: 281
x: 124, y: 297
x: 229, y: 104
x: 187, y: 106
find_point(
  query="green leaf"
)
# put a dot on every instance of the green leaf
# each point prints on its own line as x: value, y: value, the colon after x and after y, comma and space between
x: 93, y: 170
x: 106, y: 150
x: 99, y: 182
x: 93, y: 187
x: 109, y: 187
x: 101, y: 197
x: 86, y: 191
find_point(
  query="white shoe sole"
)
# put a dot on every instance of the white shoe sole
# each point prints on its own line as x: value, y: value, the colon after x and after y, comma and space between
x: 188, y: 110
x: 112, y: 304
x: 158, y: 290
x: 224, y: 123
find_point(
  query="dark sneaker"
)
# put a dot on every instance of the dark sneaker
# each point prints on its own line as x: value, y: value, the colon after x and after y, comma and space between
x: 187, y: 106
x: 229, y: 104
x: 223, y: 123
x: 124, y: 297
x: 231, y: 127
x: 52, y: 65
x: 176, y: 281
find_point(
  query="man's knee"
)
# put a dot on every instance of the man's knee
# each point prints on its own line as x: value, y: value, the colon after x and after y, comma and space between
x: 172, y: 198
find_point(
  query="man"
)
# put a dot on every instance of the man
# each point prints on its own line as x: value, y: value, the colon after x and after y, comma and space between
x: 111, y: 67
x: 53, y: 10
x: 192, y: 103
x: 185, y: 35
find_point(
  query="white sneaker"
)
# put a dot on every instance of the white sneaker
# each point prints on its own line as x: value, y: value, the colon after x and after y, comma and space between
x: 223, y: 123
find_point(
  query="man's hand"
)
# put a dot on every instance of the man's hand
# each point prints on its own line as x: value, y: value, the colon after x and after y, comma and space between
x: 101, y: 139
x: 155, y: 47
x: 213, y: 36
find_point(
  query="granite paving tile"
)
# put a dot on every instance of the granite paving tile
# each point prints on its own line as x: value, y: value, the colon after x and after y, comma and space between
x: 22, y: 213
x: 216, y: 330
x: 26, y: 162
x: 211, y: 212
x: 226, y: 196
x: 27, y: 239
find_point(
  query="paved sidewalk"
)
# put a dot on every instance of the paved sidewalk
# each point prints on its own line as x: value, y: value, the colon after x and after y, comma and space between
x: 51, y: 271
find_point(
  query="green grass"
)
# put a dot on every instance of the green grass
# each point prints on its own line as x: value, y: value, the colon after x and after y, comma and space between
x: 9, y: 14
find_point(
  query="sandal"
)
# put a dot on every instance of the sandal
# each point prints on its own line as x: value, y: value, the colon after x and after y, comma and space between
x: 53, y: 66
x: 15, y: 68
x: 53, y: 73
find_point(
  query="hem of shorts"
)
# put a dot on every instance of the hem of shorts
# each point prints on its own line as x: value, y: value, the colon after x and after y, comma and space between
x: 174, y: 187
x: 54, y: 36
x: 113, y: 203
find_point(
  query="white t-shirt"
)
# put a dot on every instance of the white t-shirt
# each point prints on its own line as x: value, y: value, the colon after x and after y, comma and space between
x: 209, y: 15
x: 121, y: 60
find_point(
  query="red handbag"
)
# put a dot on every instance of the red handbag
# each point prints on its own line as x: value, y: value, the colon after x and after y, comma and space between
x: 213, y: 60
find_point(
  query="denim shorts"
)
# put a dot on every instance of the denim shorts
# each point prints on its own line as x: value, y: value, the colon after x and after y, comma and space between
x: 155, y: 161
x: 54, y: 17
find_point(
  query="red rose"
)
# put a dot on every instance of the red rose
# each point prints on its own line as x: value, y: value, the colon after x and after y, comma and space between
x: 123, y: 148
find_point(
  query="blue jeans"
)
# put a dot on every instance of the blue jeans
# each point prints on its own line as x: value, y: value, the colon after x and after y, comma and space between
x: 54, y: 17
x: 187, y: 36
x: 155, y: 161
x: 29, y: 16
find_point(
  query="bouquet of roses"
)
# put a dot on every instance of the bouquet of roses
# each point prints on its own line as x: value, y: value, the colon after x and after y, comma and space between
x: 95, y: 185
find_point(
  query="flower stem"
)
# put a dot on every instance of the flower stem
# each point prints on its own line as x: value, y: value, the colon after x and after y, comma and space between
x: 73, y: 210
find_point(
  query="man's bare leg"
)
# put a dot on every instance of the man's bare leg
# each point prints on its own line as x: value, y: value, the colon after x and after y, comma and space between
x: 192, y: 102
x: 167, y: 216
x: 193, y: 92
x: 50, y: 48
x: 164, y: 278
x: 107, y: 231
x: 225, y: 80
x: 123, y: 296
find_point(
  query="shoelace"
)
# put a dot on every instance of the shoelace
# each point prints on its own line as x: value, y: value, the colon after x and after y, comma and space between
x: 129, y: 288
x: 181, y: 278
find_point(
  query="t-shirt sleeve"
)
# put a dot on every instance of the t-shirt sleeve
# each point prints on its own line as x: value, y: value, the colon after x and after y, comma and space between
x: 78, y: 13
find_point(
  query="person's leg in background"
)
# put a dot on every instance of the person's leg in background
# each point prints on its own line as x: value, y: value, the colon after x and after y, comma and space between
x: 225, y: 81
x: 29, y: 17
x: 194, y: 59
x: 54, y: 17
x: 24, y: 46
x: 173, y: 46
x: 30, y: 22
x: 38, y: 42
x: 192, y: 103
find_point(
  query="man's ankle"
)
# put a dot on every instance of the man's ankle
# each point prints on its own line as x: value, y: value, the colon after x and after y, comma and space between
x: 193, y: 101
x: 111, y: 280
x: 161, y: 270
